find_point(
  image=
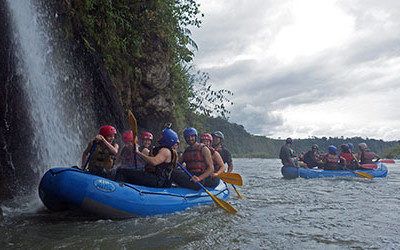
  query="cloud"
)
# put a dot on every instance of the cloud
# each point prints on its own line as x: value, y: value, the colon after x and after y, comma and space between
x: 328, y: 70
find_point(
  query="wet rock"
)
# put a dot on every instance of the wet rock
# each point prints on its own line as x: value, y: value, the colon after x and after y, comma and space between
x: 1, y: 215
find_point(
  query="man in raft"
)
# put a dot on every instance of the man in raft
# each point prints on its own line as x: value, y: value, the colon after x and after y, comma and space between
x: 199, y: 163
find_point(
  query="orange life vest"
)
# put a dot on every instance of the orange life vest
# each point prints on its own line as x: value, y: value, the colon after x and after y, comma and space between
x: 348, y: 157
x: 194, y: 159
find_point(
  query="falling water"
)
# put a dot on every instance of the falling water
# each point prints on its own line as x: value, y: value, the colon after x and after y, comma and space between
x: 56, y: 115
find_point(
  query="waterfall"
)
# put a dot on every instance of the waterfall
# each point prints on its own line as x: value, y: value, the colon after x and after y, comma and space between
x: 52, y: 88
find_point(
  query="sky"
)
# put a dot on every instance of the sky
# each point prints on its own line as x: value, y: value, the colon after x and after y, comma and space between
x: 305, y: 68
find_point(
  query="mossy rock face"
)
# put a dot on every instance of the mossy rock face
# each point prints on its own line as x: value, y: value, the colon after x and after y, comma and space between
x: 140, y: 45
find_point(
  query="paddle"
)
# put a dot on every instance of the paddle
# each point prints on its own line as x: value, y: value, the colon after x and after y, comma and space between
x: 237, y: 192
x: 234, y: 179
x: 361, y: 174
x: 223, y: 204
x: 92, y: 149
x: 231, y: 178
x: 133, y: 124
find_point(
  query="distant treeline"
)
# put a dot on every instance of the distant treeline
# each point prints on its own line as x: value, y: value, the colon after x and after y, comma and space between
x: 243, y: 144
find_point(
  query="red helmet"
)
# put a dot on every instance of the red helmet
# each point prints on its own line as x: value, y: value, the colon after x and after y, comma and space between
x: 127, y: 136
x: 147, y: 135
x: 206, y: 136
x: 107, y: 130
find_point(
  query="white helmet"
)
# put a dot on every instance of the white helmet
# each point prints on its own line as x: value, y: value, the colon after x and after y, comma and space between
x: 362, y: 146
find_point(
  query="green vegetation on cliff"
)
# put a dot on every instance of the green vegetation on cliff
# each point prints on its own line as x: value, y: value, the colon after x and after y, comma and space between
x: 147, y: 48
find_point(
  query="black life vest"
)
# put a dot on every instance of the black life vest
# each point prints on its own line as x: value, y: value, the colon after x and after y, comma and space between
x: 163, y: 170
x: 102, y: 157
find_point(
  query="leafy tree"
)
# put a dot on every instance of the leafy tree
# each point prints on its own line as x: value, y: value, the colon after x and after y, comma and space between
x: 204, y: 99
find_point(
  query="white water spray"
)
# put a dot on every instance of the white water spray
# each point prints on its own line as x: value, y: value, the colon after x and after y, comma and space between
x: 57, y: 124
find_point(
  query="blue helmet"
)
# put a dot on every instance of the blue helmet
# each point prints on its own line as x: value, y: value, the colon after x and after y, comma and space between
x: 189, y: 132
x: 168, y: 138
x: 332, y: 149
x: 351, y: 146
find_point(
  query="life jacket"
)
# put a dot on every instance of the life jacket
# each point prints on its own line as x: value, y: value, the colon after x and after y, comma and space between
x: 127, y: 158
x: 367, y: 157
x: 310, y: 159
x: 194, y: 159
x: 330, y: 158
x: 348, y: 157
x: 331, y: 162
x: 163, y: 170
x: 102, y: 157
x: 127, y: 155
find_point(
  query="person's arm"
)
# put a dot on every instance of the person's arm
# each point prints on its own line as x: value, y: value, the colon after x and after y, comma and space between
x: 210, y: 168
x: 342, y: 160
x: 164, y: 155
x: 218, y: 160
x: 112, y: 148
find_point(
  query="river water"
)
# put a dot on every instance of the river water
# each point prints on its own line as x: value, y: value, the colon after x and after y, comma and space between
x: 276, y: 213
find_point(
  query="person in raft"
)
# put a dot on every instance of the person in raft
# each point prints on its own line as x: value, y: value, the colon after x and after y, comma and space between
x: 218, y: 138
x: 146, y: 141
x: 351, y: 160
x: 126, y: 159
x: 331, y: 160
x: 219, y: 166
x: 199, y: 163
x: 312, y: 157
x: 365, y: 155
x: 286, y: 154
x: 102, y: 151
x: 159, y: 167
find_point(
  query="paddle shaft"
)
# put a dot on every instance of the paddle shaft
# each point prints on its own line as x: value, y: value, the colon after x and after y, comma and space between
x: 134, y: 152
x: 133, y: 124
x: 92, y: 149
x: 221, y: 203
x: 237, y: 192
x: 190, y: 175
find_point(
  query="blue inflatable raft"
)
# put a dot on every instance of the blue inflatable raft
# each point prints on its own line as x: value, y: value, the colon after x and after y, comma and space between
x: 291, y: 172
x: 69, y: 188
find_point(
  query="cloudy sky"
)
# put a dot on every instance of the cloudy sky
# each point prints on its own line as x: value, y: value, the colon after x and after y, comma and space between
x: 306, y: 68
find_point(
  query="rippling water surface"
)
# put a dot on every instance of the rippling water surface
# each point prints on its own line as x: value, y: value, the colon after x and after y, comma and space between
x: 276, y: 213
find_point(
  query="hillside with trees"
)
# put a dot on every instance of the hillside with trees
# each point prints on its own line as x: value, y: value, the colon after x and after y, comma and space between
x: 243, y: 144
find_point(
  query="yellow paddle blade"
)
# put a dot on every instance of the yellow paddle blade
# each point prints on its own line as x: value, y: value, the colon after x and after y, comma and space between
x: 223, y: 204
x: 365, y: 175
x: 231, y: 178
x: 132, y: 123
